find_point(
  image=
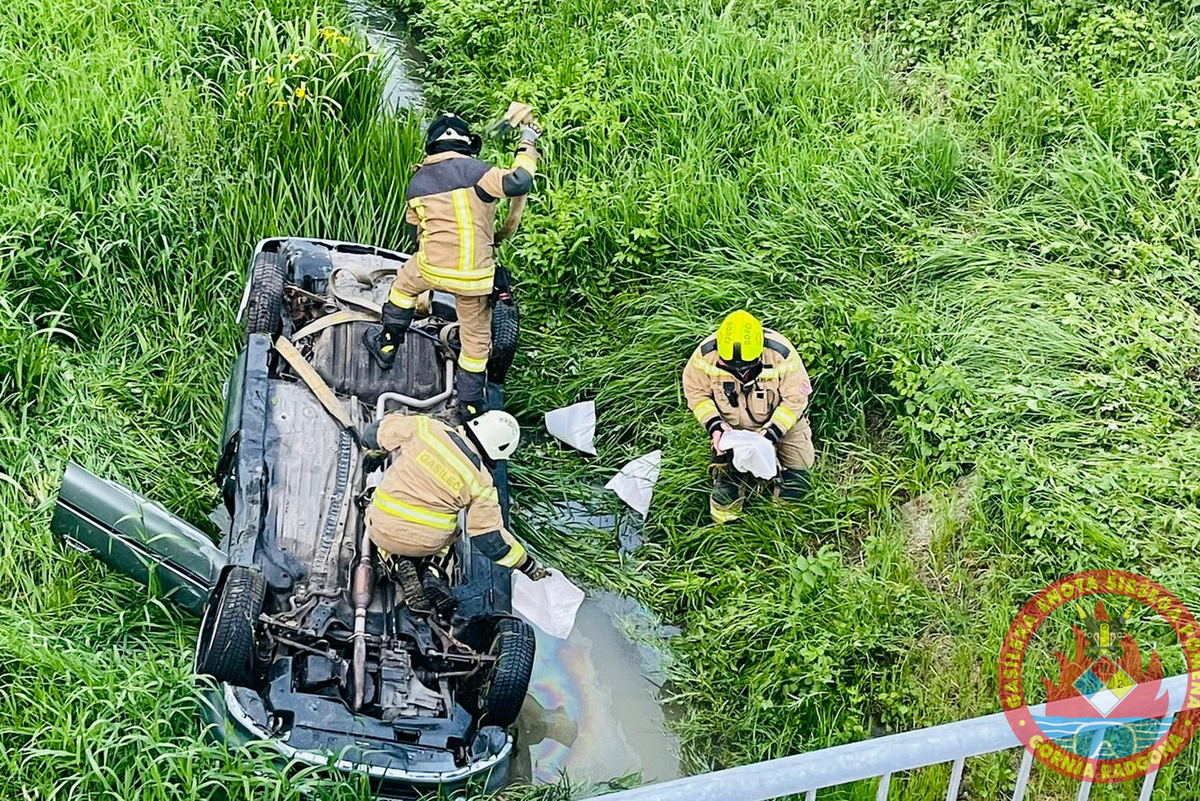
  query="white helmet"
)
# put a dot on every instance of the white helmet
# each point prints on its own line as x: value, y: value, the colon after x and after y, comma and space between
x: 497, y: 433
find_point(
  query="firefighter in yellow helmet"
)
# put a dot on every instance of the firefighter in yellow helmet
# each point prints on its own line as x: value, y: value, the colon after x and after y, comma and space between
x: 747, y: 378
x: 451, y: 212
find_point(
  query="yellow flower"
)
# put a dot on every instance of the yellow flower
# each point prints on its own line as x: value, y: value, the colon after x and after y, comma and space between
x: 293, y: 58
x: 343, y: 39
x: 241, y: 94
x: 301, y: 92
x: 280, y: 103
x: 328, y: 33
x: 270, y: 80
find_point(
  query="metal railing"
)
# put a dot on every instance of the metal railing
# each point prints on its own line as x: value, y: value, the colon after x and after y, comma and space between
x: 880, y: 758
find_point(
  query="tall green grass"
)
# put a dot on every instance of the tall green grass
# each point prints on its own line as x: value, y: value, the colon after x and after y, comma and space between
x: 146, y: 146
x: 975, y: 220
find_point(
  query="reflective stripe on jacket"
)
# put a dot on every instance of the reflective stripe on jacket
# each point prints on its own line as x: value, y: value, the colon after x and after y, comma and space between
x: 777, y: 398
x: 452, y: 202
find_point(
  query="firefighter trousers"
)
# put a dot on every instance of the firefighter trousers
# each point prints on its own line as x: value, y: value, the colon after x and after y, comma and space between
x: 796, y: 456
x: 474, y: 315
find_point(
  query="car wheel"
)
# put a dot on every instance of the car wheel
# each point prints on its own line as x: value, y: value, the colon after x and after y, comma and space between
x: 506, y: 328
x: 265, y: 304
x: 503, y: 690
x: 226, y: 648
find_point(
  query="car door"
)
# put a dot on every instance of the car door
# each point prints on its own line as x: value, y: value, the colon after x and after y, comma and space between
x: 136, y: 537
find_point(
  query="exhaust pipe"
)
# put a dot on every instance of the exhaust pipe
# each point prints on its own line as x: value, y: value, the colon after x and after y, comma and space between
x: 362, y: 587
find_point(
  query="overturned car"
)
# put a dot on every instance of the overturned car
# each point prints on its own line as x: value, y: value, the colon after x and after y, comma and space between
x: 314, y: 644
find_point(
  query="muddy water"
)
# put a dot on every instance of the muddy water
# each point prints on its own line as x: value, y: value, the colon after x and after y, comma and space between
x: 388, y: 34
x: 594, y: 712
x: 602, y: 513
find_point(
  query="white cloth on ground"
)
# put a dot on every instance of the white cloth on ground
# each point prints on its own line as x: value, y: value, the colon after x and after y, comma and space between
x: 634, y: 484
x: 549, y: 604
x: 575, y: 425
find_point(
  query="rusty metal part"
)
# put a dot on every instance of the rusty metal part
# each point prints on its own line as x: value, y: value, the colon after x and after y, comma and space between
x: 304, y: 306
x: 449, y: 639
x: 298, y: 295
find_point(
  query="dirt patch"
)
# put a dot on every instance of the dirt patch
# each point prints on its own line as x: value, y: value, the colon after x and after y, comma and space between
x: 918, y: 525
x: 929, y: 514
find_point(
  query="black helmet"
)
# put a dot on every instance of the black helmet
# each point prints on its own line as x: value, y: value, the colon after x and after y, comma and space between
x: 449, y: 132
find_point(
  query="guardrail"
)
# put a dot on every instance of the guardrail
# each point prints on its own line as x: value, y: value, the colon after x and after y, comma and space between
x: 879, y: 758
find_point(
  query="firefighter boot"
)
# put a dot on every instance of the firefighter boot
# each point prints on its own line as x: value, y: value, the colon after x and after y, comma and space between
x: 404, y: 573
x: 793, y: 485
x: 437, y: 591
x: 725, y: 502
x: 383, y: 344
x: 471, y: 387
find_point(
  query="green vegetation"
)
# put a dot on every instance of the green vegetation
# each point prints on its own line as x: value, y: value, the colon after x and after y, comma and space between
x: 976, y: 220
x: 146, y: 147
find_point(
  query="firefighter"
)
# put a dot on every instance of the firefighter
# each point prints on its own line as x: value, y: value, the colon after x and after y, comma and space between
x: 438, y: 471
x: 451, y: 213
x: 747, y: 378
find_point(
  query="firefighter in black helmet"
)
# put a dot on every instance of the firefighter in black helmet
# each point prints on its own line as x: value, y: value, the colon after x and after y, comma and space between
x: 451, y: 204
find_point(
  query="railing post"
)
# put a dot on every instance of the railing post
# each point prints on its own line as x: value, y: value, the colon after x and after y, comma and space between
x: 955, y: 779
x: 1023, y: 774
x: 885, y: 782
x: 1148, y: 786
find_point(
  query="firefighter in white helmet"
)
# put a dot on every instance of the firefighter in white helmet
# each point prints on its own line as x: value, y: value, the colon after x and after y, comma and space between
x: 438, y: 471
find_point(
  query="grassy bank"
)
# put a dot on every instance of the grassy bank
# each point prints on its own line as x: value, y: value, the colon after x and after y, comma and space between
x: 146, y: 147
x: 977, y: 222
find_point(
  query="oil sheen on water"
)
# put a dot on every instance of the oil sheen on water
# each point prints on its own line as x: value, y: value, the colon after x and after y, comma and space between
x: 593, y: 712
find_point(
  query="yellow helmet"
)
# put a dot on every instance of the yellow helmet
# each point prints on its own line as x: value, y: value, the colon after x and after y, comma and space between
x: 740, y: 338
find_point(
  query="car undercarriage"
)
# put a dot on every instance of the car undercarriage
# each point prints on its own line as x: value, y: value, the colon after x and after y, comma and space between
x: 336, y: 653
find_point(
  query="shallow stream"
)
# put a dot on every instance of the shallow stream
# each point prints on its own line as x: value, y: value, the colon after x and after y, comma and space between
x: 389, y: 35
x: 594, y: 711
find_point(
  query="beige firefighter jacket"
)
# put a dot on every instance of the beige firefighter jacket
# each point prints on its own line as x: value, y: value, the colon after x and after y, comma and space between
x: 773, y: 403
x: 452, y: 203
x: 436, y: 473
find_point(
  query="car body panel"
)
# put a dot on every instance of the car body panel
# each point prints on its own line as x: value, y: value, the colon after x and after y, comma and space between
x: 230, y: 714
x: 137, y: 537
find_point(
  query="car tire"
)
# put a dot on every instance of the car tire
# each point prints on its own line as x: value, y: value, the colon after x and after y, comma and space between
x: 503, y: 690
x: 226, y: 648
x: 506, y: 329
x: 264, y: 306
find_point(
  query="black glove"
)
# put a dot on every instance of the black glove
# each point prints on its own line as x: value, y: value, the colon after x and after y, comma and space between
x: 374, y: 459
x: 501, y: 287
x: 370, y: 436
x: 533, y: 568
